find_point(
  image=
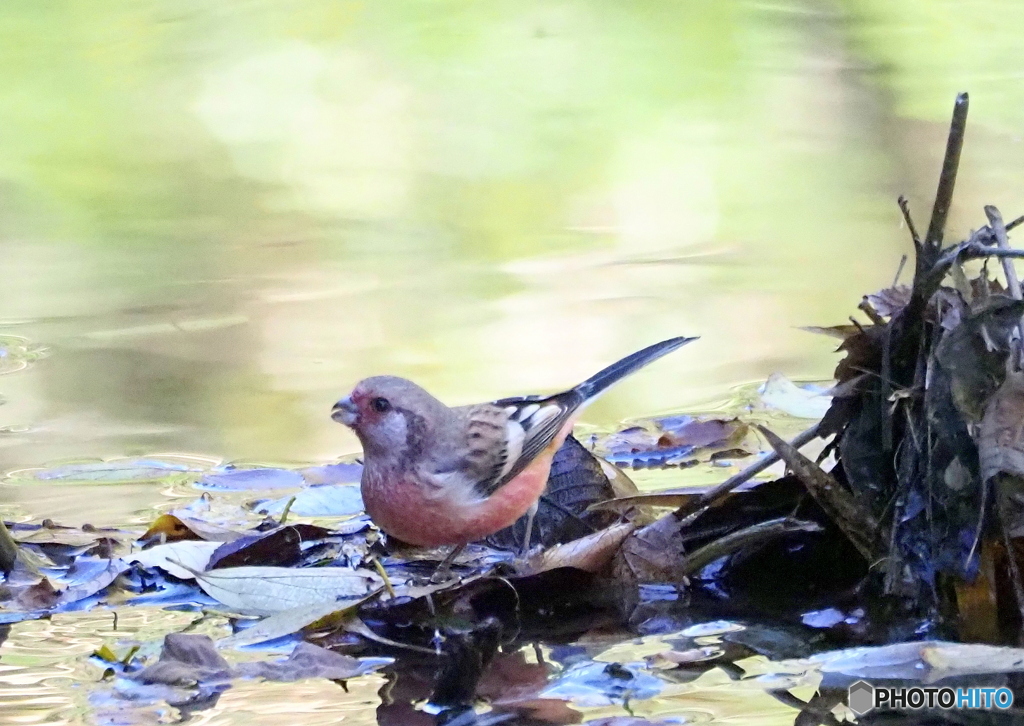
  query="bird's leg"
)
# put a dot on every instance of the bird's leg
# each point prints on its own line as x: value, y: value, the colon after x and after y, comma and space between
x: 444, y: 569
x: 530, y: 515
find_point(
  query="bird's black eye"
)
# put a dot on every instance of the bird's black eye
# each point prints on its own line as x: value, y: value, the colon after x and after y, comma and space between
x: 381, y: 404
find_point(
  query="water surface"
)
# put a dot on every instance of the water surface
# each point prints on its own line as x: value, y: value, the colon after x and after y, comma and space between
x: 215, y: 219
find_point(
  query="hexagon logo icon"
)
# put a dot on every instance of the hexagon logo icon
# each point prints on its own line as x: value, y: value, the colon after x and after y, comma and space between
x: 861, y: 697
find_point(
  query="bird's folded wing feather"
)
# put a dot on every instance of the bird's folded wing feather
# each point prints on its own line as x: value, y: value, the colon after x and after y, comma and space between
x: 505, y: 436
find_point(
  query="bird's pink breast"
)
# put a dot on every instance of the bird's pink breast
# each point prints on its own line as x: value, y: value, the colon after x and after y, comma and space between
x: 428, y: 518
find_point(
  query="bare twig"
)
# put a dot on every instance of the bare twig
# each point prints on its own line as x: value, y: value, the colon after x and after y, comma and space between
x: 868, y: 309
x: 689, y: 512
x: 995, y: 221
x: 899, y: 270
x: 947, y: 177
x: 905, y: 208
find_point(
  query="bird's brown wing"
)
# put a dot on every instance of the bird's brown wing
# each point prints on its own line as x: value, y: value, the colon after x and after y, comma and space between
x: 505, y: 436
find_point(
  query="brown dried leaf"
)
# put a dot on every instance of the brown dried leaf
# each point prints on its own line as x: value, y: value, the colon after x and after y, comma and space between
x: 890, y: 301
x: 651, y: 554
x: 857, y: 524
x: 1000, y: 436
x: 40, y: 596
x: 591, y: 553
x: 175, y: 528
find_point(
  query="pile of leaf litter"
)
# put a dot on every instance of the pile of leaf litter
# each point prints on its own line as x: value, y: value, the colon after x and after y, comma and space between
x: 904, y: 526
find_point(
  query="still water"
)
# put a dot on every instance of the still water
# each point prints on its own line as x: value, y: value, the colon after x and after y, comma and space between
x: 215, y: 219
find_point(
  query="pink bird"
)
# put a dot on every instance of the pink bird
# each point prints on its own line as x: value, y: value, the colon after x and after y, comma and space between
x: 434, y: 475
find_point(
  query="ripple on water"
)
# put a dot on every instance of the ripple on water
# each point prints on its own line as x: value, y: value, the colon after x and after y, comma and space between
x: 17, y: 353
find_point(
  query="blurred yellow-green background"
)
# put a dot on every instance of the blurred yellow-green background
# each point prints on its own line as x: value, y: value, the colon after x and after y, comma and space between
x: 215, y: 218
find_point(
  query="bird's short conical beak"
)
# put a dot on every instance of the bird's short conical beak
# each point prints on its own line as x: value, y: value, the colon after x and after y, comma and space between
x: 345, y: 411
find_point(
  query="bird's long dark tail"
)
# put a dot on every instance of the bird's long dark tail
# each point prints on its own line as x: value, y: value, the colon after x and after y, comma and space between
x: 599, y: 382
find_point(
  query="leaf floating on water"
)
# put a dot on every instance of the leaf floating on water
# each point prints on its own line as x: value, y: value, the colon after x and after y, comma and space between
x: 90, y: 575
x: 177, y: 527
x: 113, y: 471
x: 311, y: 661
x: 279, y: 547
x: 925, y: 661
x: 800, y: 402
x: 289, y: 622
x: 181, y: 559
x: 241, y: 479
x: 186, y: 660
x: 68, y: 536
x: 40, y: 596
x: 343, y: 473
x: 269, y: 590
x: 334, y: 500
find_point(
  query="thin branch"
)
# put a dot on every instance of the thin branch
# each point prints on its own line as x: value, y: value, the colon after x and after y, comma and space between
x: 905, y: 208
x: 899, y: 270
x: 995, y: 221
x: 688, y: 513
x: 947, y: 178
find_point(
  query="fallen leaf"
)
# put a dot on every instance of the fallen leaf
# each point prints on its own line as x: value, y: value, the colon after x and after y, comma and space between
x: 90, y: 575
x: 175, y: 527
x: 343, y: 473
x: 261, y: 478
x: 269, y: 590
x: 698, y: 432
x: 181, y: 559
x: 40, y: 596
x: 1001, y: 433
x: 311, y: 661
x: 781, y: 393
x: 186, y: 659
x: 652, y: 554
x: 288, y: 622
x: 281, y: 546
x: 115, y: 470
x: 334, y: 500
x: 56, y: 535
x: 925, y: 661
x: 591, y: 553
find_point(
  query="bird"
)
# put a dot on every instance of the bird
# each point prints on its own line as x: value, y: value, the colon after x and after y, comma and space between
x: 436, y: 476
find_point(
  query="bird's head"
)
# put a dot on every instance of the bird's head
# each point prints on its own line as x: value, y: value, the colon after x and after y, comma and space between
x: 388, y: 414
